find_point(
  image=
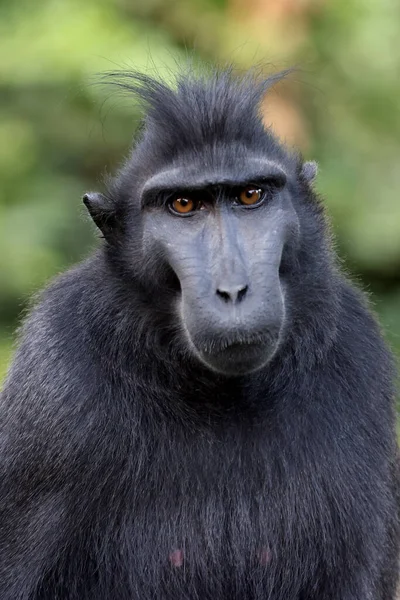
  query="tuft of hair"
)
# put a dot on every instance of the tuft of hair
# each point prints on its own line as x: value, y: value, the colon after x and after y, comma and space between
x: 200, y: 108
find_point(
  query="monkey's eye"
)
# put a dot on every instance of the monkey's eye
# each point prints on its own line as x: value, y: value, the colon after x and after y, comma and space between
x: 250, y: 195
x: 183, y: 206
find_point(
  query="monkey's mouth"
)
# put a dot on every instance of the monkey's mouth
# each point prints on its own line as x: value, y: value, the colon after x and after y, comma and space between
x: 234, y: 341
x: 238, y: 356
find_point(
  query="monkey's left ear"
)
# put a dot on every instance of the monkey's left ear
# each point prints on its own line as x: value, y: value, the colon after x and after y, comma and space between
x: 102, y: 211
x: 309, y: 171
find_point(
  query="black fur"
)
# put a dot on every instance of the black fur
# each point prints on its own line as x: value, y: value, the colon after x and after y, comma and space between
x: 132, y: 471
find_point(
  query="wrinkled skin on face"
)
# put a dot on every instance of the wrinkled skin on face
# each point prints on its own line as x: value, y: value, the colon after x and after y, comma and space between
x: 227, y: 257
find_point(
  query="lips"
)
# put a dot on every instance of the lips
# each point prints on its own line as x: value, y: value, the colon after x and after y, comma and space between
x: 238, y: 358
x: 221, y: 343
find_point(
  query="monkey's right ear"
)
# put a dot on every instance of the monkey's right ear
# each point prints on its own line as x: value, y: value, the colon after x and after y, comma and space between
x: 309, y: 170
x: 102, y: 211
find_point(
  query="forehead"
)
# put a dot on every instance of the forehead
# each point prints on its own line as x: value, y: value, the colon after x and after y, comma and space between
x: 217, y: 165
x: 191, y: 177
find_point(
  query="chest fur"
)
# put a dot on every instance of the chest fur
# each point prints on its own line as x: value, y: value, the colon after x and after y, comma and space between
x: 237, y: 516
x: 246, y: 514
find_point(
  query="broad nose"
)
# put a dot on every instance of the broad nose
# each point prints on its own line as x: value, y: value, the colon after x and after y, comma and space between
x: 232, y: 294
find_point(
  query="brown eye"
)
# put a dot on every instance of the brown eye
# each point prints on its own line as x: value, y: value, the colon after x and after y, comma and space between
x: 250, y: 195
x: 183, y: 205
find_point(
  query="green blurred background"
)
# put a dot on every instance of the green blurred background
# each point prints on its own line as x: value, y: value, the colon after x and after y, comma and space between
x: 60, y: 131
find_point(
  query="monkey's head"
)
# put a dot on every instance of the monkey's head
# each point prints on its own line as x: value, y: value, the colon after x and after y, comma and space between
x: 213, y: 217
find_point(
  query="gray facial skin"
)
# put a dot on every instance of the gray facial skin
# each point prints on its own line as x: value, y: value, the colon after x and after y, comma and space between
x: 227, y: 258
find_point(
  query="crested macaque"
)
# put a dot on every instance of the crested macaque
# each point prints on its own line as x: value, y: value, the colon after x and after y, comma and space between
x: 204, y: 408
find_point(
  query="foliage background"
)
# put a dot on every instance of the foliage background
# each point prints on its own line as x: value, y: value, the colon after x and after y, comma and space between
x: 60, y: 131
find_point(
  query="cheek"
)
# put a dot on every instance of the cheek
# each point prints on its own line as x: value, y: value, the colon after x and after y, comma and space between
x: 152, y: 263
x: 262, y: 255
x: 189, y: 257
x: 175, y: 259
x: 155, y: 231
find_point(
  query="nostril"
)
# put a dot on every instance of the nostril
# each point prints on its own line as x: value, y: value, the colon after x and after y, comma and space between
x: 241, y: 293
x: 225, y: 296
x: 235, y: 294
